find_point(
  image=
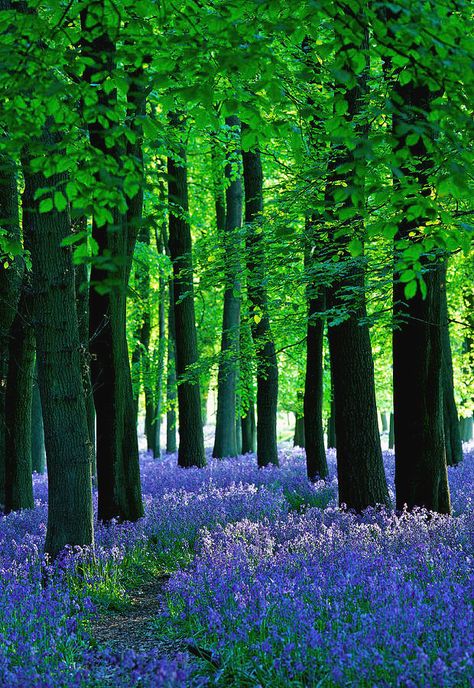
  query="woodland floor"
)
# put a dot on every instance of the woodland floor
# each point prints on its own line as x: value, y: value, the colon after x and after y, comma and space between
x: 133, y: 628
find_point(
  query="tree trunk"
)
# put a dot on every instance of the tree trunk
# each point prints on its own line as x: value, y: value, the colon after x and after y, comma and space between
x: 82, y: 303
x: 391, y: 432
x: 38, y: 451
x: 360, y: 468
x: 191, y: 439
x: 267, y: 367
x: 332, y: 422
x: 225, y: 442
x: 452, y: 436
x: 155, y: 427
x: 18, y: 467
x: 171, y: 376
x: 118, y: 473
x: 67, y: 443
x: 10, y: 282
x: 420, y: 459
x: 248, y: 429
x: 299, y: 438
x: 316, y: 462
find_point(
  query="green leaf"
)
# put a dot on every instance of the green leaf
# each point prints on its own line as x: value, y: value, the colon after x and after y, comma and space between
x: 46, y: 205
x: 60, y: 201
x: 410, y: 289
x: 407, y: 276
x: 356, y: 247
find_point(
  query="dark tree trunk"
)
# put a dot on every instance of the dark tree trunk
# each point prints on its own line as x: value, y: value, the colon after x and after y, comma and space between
x: 360, y: 467
x: 225, y: 442
x: 452, y: 436
x: 383, y: 420
x: 118, y: 473
x: 59, y: 367
x: 316, y: 462
x: 299, y: 438
x: 171, y: 376
x: 248, y: 429
x: 38, y: 451
x: 10, y: 282
x: 82, y: 302
x: 391, y: 432
x: 420, y: 459
x: 267, y: 367
x: 191, y: 439
x: 332, y: 421
x: 18, y: 466
x: 155, y: 426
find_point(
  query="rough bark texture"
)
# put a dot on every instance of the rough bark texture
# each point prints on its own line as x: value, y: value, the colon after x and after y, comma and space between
x: 360, y: 468
x: 59, y: 367
x: 391, y: 433
x: 118, y: 474
x: 18, y: 467
x: 191, y: 439
x: 225, y: 441
x: 38, y: 451
x: 420, y: 459
x: 267, y: 367
x: 10, y: 282
x: 452, y: 435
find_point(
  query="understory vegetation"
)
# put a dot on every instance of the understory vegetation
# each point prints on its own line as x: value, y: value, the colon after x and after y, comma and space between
x: 273, y: 582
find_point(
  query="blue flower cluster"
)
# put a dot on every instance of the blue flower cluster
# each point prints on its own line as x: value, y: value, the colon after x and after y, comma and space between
x: 286, y: 588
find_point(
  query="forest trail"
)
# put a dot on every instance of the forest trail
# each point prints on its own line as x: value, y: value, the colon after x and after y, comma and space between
x: 134, y: 628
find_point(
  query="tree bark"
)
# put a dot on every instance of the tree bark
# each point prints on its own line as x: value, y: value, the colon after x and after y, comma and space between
x: 299, y: 438
x: 267, y: 366
x: 420, y: 459
x: 67, y: 443
x: 316, y: 462
x: 171, y: 376
x: 10, y: 283
x: 360, y: 468
x: 38, y: 451
x: 18, y: 466
x: 191, y: 439
x: 118, y: 473
x: 452, y: 435
x: 225, y: 441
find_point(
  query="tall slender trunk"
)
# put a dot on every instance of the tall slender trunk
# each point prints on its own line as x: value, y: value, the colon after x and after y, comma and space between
x: 316, y: 462
x: 155, y: 427
x: 452, y: 435
x: 360, y: 468
x: 18, y: 466
x: 171, y: 375
x: 267, y: 366
x: 298, y: 437
x: 118, y: 473
x: 191, y: 439
x: 225, y: 442
x: 10, y: 282
x: 38, y: 451
x: 67, y: 443
x: 82, y: 303
x: 420, y: 460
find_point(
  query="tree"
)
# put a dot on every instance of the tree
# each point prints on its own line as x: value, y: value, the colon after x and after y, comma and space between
x: 191, y: 440
x: 67, y: 443
x: 225, y: 442
x: 267, y: 368
x: 21, y: 358
x: 359, y: 457
x: 115, y: 232
x: 420, y: 460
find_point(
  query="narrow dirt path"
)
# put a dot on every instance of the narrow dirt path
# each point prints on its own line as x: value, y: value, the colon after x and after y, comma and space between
x: 133, y: 628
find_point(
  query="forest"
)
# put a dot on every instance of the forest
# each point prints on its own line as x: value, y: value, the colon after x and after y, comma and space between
x: 236, y: 343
